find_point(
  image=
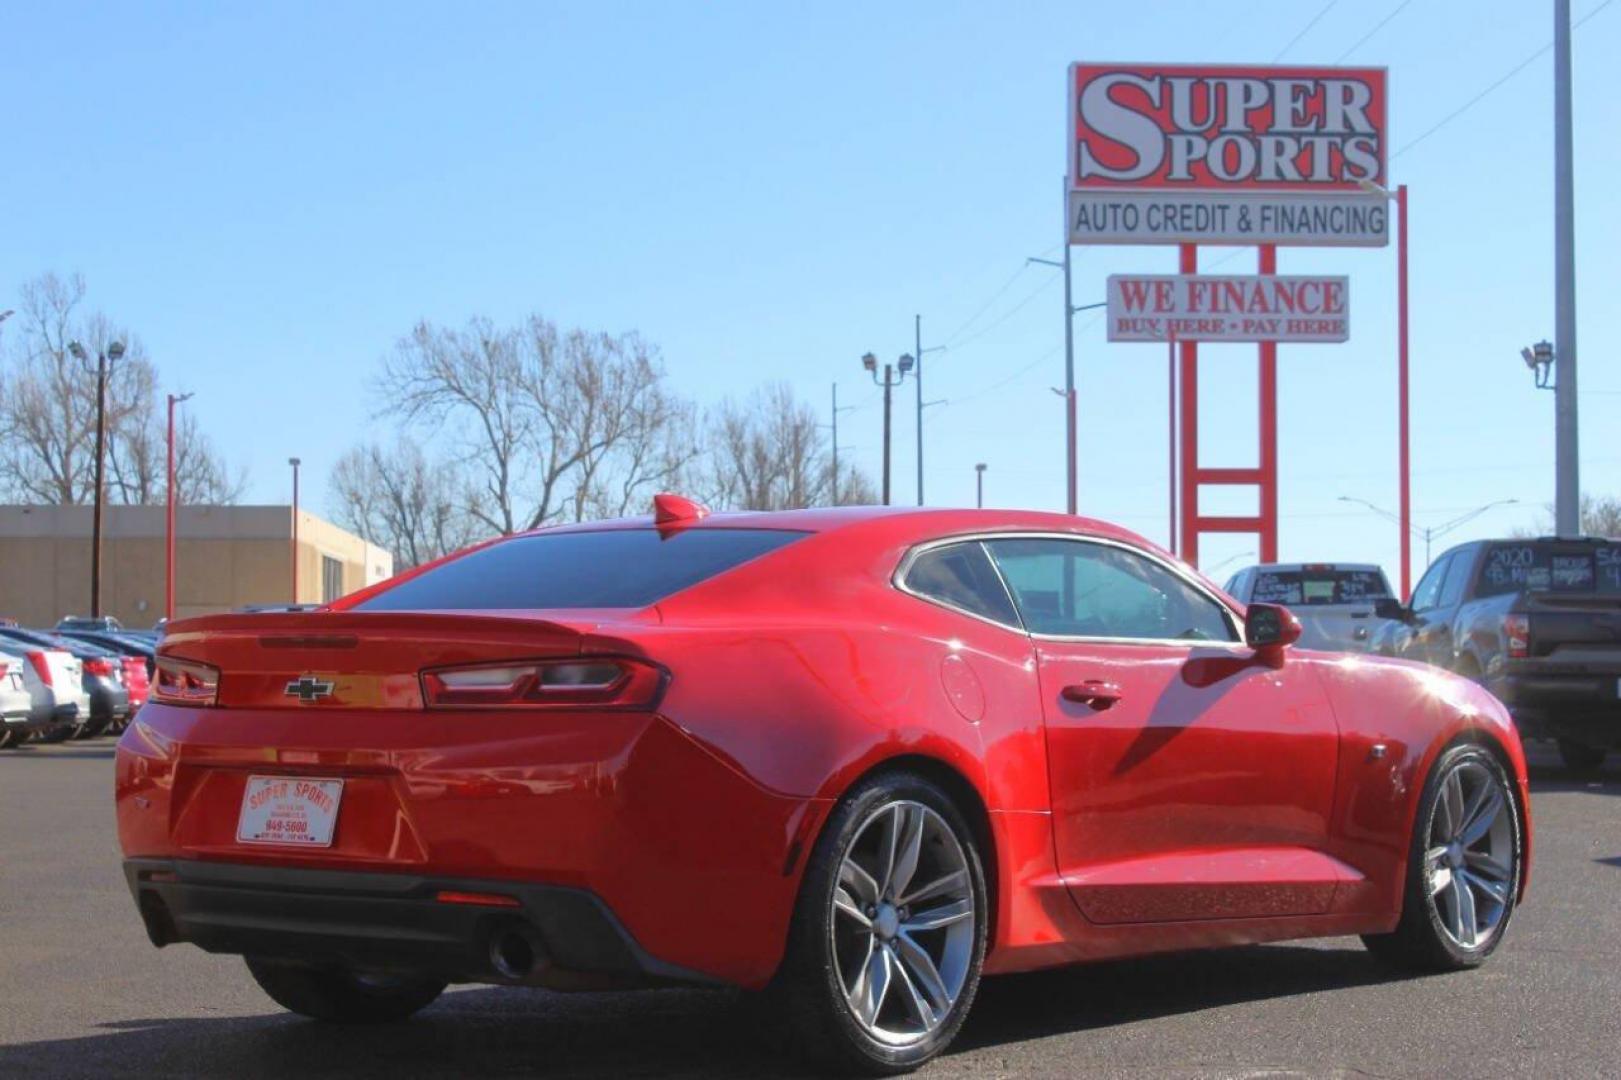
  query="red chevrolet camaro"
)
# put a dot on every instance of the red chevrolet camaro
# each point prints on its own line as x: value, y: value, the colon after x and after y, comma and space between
x: 856, y: 758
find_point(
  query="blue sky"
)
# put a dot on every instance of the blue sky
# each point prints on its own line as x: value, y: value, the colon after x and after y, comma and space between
x: 271, y: 194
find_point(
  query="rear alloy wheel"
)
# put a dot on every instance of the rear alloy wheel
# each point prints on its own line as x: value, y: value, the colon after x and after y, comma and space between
x: 340, y: 996
x: 1464, y: 870
x: 1580, y: 758
x: 890, y: 931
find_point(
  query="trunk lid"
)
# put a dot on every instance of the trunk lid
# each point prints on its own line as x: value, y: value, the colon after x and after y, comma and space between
x: 361, y: 660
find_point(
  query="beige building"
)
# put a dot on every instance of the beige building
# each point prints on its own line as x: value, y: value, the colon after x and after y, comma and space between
x: 225, y: 557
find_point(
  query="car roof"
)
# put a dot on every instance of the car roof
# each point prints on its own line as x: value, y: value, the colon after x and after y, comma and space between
x: 1318, y: 566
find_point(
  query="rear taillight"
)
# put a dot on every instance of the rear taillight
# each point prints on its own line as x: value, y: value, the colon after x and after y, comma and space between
x: 97, y: 665
x: 546, y: 684
x: 185, y: 682
x: 42, y: 666
x: 1517, y: 635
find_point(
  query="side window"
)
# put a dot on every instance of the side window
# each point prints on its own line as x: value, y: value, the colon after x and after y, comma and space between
x: 1428, y: 592
x: 961, y: 576
x: 1075, y: 588
x: 1457, y: 578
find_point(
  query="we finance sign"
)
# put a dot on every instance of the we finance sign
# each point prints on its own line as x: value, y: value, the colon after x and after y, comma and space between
x: 1213, y: 307
x: 1162, y: 154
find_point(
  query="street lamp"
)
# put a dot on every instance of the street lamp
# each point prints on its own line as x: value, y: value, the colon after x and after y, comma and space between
x: 979, y: 485
x: 1210, y: 573
x: 168, y: 535
x: 295, y: 462
x: 889, y: 382
x: 1539, y: 358
x: 104, y: 359
x: 917, y: 331
x: 1430, y: 532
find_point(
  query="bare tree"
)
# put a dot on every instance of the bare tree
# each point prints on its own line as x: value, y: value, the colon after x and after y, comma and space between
x: 770, y: 454
x: 547, y: 425
x: 1600, y: 516
x: 399, y: 500
x: 48, y: 412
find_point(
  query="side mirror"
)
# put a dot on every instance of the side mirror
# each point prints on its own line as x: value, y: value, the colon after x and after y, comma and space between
x: 1270, y: 628
x: 1390, y: 608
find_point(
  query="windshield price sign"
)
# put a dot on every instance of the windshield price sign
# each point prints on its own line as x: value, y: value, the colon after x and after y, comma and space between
x: 1167, y: 154
x: 1210, y: 307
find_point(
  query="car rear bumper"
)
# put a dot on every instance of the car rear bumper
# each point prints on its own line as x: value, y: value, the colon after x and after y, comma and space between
x: 1583, y: 707
x: 697, y: 862
x: 449, y: 928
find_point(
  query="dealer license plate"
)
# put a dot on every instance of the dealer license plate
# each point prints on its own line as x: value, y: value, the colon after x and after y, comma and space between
x: 292, y: 810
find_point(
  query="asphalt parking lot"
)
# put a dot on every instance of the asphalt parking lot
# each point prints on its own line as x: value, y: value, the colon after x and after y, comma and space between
x: 83, y: 994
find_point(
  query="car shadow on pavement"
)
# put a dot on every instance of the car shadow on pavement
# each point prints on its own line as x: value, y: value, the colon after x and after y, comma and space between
x: 667, y: 1033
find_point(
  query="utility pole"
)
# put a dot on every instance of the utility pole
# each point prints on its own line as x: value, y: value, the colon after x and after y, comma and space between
x: 170, y: 500
x: 1567, y: 478
x: 917, y: 344
x: 104, y: 358
x: 979, y: 486
x: 836, y: 410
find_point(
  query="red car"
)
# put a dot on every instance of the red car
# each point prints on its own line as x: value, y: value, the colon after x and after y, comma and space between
x: 855, y: 757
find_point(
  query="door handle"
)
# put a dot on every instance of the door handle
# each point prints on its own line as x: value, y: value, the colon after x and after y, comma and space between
x: 1094, y: 692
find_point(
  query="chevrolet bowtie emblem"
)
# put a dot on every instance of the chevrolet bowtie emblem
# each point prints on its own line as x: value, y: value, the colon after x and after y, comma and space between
x: 308, y: 688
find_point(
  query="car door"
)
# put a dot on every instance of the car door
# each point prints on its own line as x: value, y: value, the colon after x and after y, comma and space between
x: 1188, y: 779
x: 1428, y: 636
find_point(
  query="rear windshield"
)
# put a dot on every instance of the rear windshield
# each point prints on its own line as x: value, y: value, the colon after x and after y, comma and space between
x: 1551, y: 567
x: 618, y: 568
x: 1303, y: 588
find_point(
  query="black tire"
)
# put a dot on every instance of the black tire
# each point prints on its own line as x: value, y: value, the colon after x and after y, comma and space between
x: 1421, y: 941
x: 97, y: 725
x: 339, y: 996
x: 8, y: 738
x: 808, y: 991
x: 1581, y: 759
x: 59, y: 733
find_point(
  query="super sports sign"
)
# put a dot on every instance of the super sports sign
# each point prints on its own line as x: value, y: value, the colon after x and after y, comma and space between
x: 1227, y: 155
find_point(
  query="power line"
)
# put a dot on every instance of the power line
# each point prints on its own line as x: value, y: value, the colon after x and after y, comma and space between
x: 1378, y: 26
x: 951, y: 338
x: 1505, y: 77
x: 1304, y: 30
x: 1008, y: 314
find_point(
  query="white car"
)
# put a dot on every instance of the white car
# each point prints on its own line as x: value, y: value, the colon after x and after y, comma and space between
x: 54, y: 680
x: 16, y: 703
x: 1334, y: 601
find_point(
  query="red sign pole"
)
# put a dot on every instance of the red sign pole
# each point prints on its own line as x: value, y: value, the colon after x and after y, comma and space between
x: 1406, y: 507
x: 1268, y: 381
x: 1170, y: 429
x: 1189, y: 549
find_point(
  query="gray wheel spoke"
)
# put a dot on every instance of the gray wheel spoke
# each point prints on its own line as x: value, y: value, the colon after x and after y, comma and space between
x: 918, y: 962
x: 1484, y: 865
x: 910, y: 847
x: 956, y: 881
x: 850, y: 906
x: 1440, y: 878
x: 920, y: 1008
x: 874, y: 985
x: 935, y: 918
x: 1463, y: 906
x: 1496, y: 890
x: 1451, y: 804
x: 1484, y: 814
x: 858, y: 882
x: 856, y: 992
x: 889, y: 848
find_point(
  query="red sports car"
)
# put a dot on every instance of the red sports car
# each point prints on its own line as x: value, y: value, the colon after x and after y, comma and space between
x: 857, y: 758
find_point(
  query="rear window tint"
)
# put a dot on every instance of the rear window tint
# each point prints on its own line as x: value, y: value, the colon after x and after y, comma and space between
x: 961, y: 576
x: 1303, y: 588
x: 617, y: 568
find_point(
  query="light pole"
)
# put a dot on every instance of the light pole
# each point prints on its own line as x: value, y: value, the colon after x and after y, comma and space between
x: 1567, y: 479
x: 294, y: 462
x: 1211, y: 573
x: 917, y: 332
x: 1431, y: 532
x: 168, y: 535
x: 104, y: 359
x: 1403, y: 447
x: 1539, y: 358
x: 889, y: 382
x: 979, y: 486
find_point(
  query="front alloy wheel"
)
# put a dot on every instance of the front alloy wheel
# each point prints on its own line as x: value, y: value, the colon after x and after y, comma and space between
x: 890, y: 930
x: 1464, y: 868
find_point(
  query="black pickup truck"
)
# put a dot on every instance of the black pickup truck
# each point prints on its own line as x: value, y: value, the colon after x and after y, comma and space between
x: 1537, y: 622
